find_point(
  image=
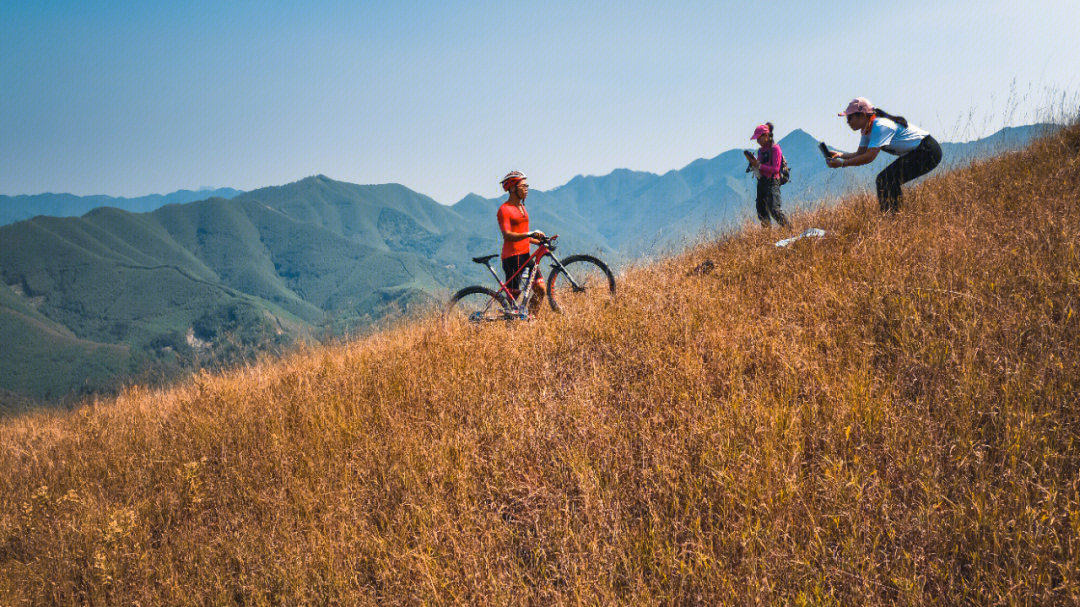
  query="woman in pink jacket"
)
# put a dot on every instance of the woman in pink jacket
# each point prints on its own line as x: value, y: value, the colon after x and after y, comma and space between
x: 768, y: 162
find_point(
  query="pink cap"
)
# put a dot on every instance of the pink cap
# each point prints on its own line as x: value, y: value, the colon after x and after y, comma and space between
x: 760, y: 130
x: 858, y: 105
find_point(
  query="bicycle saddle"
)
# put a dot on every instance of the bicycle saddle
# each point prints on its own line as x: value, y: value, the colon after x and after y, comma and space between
x: 484, y: 259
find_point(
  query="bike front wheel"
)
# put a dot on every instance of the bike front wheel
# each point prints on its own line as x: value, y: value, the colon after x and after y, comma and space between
x: 580, y: 277
x: 478, y: 304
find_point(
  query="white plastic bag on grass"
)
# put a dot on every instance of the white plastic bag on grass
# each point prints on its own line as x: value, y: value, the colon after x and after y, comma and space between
x: 809, y: 233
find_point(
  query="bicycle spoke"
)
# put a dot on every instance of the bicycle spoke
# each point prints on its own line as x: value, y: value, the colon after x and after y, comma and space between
x: 580, y: 277
x: 478, y: 304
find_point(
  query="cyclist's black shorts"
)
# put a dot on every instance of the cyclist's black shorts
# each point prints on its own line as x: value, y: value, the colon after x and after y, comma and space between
x: 511, y: 265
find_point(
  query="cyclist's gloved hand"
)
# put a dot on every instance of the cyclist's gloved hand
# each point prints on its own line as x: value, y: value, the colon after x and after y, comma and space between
x: 537, y: 234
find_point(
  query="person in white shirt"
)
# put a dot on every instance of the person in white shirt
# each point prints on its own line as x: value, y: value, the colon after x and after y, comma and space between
x: 918, y: 152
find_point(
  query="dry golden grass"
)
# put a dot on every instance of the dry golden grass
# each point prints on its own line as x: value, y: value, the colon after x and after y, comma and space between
x: 886, y: 416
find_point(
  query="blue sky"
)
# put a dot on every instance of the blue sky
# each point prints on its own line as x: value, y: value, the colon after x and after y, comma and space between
x: 131, y: 98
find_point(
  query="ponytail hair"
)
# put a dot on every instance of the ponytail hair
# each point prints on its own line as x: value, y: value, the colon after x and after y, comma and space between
x: 772, y: 130
x: 897, y: 119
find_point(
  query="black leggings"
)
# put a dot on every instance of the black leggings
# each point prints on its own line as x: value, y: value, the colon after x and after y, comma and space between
x: 915, y: 163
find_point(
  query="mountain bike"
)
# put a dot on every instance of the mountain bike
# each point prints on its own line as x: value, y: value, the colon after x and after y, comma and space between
x: 569, y: 281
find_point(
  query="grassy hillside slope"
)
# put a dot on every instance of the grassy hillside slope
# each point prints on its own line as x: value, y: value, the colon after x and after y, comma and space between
x: 885, y: 416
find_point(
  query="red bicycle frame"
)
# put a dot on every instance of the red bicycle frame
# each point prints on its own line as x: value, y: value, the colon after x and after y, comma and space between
x: 537, y: 255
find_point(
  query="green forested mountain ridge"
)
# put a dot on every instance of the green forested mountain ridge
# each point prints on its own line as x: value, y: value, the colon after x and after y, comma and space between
x: 43, y: 359
x: 25, y: 206
x: 388, y: 218
x: 151, y: 294
x: 89, y: 302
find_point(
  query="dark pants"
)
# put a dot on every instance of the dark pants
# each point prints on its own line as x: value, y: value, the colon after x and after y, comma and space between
x: 915, y: 163
x: 510, y: 267
x: 768, y: 201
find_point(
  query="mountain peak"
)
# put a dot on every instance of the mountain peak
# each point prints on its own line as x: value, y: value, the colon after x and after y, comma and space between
x: 313, y: 179
x: 798, y: 137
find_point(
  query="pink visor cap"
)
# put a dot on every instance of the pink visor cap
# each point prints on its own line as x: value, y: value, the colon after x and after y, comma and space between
x: 760, y: 130
x: 858, y: 105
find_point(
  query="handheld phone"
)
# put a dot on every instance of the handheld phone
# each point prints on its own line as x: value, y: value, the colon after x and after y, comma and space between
x: 750, y: 160
x: 824, y: 150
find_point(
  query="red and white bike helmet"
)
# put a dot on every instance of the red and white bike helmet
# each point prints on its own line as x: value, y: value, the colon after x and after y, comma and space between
x: 512, y: 179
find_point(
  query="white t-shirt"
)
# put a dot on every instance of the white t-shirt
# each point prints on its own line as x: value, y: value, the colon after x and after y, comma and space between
x: 892, y: 137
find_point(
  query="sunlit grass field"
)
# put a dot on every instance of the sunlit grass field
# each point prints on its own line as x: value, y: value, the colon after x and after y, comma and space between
x: 887, y: 415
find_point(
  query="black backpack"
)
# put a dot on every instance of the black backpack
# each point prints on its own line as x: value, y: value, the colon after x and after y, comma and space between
x: 785, y: 171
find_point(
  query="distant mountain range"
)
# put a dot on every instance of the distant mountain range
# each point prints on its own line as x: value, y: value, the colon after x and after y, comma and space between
x: 88, y: 303
x: 18, y: 208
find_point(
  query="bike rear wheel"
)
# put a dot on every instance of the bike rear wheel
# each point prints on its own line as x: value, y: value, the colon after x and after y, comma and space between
x: 478, y: 304
x: 580, y: 277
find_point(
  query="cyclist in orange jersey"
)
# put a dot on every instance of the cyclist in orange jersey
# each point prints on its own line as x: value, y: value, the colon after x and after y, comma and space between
x: 514, y: 224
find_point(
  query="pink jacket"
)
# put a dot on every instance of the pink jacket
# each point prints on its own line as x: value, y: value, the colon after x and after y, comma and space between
x: 770, y: 167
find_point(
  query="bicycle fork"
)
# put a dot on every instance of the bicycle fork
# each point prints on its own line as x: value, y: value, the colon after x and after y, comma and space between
x: 573, y: 283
